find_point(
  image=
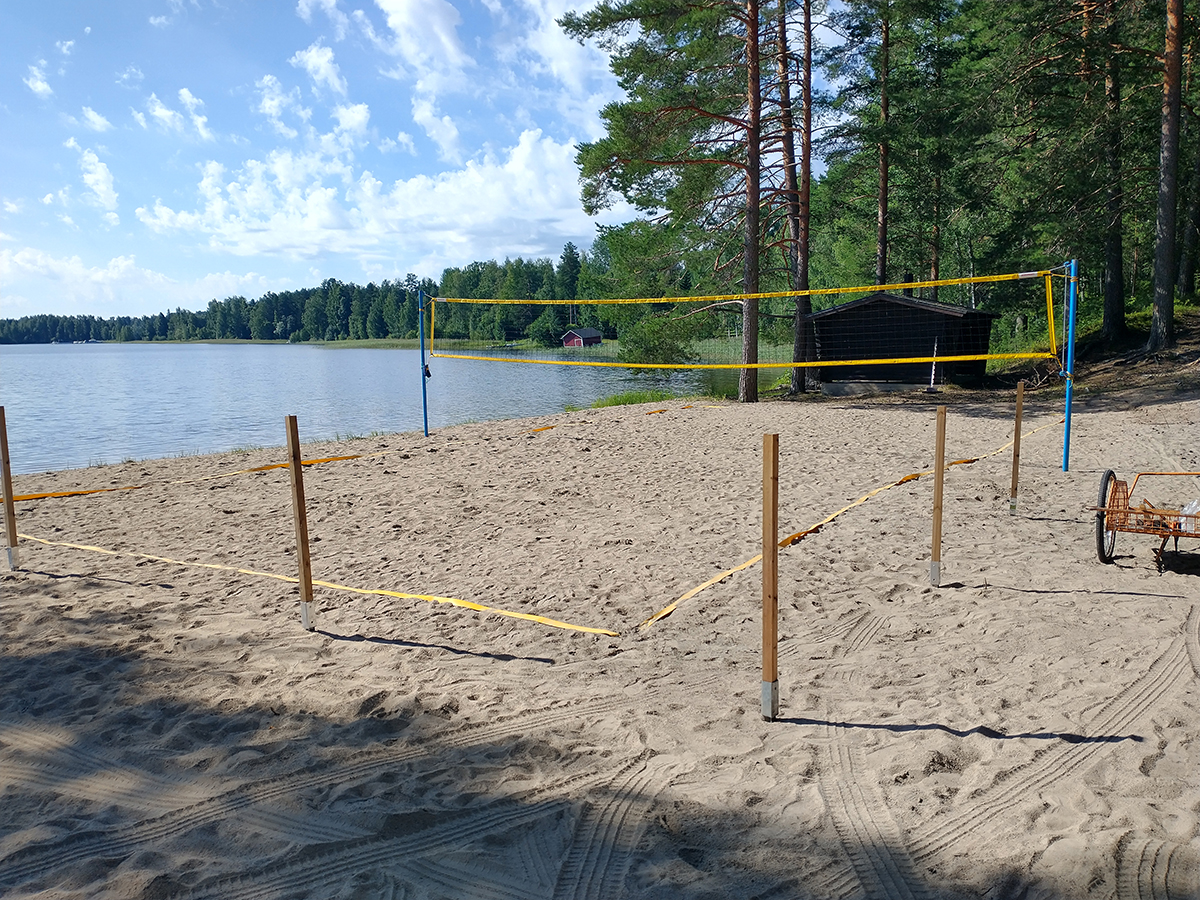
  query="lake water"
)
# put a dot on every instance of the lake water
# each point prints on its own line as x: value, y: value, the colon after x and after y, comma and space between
x: 73, y: 405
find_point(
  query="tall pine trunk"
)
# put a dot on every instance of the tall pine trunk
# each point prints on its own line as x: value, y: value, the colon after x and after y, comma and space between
x: 1186, y: 282
x: 935, y: 237
x: 881, y: 219
x: 798, y: 189
x: 1162, y: 330
x: 748, y: 378
x: 1113, y: 321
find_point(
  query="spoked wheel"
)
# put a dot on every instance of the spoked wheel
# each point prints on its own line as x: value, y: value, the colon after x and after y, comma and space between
x: 1106, y: 540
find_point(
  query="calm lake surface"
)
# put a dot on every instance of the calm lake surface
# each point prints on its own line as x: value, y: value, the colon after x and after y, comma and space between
x: 74, y: 405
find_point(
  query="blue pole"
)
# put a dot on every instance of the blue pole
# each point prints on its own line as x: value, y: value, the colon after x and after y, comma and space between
x: 1072, y: 299
x: 424, y: 368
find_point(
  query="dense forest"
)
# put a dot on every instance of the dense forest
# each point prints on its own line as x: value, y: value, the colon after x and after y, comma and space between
x: 332, y: 312
x: 959, y: 137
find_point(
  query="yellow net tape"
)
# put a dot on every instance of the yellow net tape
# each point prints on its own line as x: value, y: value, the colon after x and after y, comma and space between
x: 800, y: 535
x: 714, y: 298
x: 403, y: 595
x: 824, y: 364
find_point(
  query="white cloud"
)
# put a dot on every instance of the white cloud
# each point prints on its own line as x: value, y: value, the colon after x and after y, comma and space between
x: 66, y: 220
x: 273, y: 103
x: 166, y: 117
x: 11, y: 206
x: 548, y: 50
x: 442, y: 131
x: 318, y: 62
x: 118, y: 287
x: 309, y: 205
x: 340, y: 21
x: 36, y: 81
x: 64, y: 47
x: 87, y: 30
x: 193, y: 103
x: 99, y: 180
x: 48, y: 199
x: 403, y: 140
x: 94, y: 120
x: 138, y: 117
x: 131, y: 77
x: 160, y: 21
x: 425, y: 35
x: 352, y: 119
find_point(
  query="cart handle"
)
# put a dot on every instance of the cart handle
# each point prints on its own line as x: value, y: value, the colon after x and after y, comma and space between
x: 1133, y: 484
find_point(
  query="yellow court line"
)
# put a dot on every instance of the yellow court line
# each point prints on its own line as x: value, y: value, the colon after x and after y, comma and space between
x: 403, y: 595
x: 306, y: 462
x: 800, y: 535
x: 79, y: 493
x: 138, y: 487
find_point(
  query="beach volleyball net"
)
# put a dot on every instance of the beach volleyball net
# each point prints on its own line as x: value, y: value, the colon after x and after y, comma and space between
x: 894, y: 332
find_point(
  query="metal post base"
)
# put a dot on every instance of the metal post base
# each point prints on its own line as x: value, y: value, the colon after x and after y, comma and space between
x: 14, y: 558
x: 306, y: 616
x: 935, y: 574
x: 1012, y: 506
x: 770, y: 700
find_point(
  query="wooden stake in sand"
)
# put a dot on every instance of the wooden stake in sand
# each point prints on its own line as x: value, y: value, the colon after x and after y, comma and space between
x: 1012, y: 495
x: 300, y: 515
x: 770, y: 573
x: 939, y: 469
x: 10, y: 510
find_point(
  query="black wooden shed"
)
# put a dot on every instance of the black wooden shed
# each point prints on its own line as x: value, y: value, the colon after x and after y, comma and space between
x: 890, y: 326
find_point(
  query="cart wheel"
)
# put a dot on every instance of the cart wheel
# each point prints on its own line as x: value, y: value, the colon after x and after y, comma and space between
x: 1105, y: 540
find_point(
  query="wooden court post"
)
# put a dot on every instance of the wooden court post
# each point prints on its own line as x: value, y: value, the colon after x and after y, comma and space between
x: 300, y: 515
x: 939, y: 469
x: 10, y: 509
x: 770, y: 575
x: 1012, y: 495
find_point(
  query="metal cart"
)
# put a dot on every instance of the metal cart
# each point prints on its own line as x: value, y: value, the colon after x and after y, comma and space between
x: 1114, y: 513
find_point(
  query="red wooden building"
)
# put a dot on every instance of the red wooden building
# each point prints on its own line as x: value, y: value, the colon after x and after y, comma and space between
x: 581, y: 337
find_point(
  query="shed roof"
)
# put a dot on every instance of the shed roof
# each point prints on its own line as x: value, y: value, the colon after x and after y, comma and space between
x: 948, y: 309
x: 584, y: 332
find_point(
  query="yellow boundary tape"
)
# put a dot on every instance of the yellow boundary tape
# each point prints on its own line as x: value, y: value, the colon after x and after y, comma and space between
x: 801, y: 535
x: 307, y: 462
x: 138, y: 487
x: 403, y: 595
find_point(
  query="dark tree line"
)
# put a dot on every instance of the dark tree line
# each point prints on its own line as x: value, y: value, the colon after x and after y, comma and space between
x: 334, y: 311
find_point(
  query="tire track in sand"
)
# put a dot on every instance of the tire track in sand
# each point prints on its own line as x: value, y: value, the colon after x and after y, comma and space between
x: 1057, y: 762
x: 333, y: 866
x: 869, y: 835
x: 595, y: 866
x: 880, y: 867
x: 1150, y: 869
x: 62, y: 766
x: 606, y: 835
x: 856, y: 630
x: 29, y: 862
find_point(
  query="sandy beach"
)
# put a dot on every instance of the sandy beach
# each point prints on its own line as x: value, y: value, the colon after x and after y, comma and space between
x: 1030, y: 728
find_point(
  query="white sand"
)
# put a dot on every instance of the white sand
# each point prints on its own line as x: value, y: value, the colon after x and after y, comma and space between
x: 1029, y: 729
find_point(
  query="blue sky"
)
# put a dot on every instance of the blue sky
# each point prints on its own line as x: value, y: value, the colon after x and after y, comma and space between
x: 164, y: 153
